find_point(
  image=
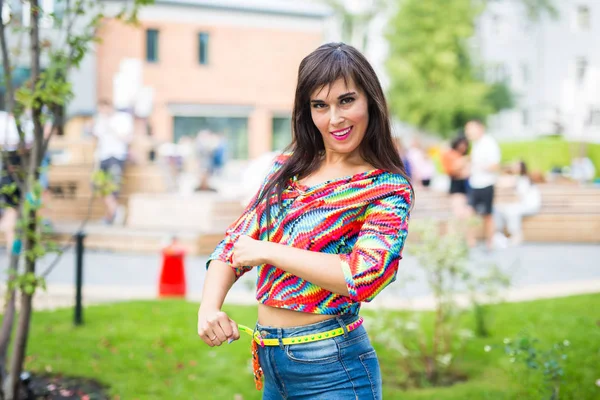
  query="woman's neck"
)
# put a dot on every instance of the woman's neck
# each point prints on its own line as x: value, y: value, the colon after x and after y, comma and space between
x: 337, y: 160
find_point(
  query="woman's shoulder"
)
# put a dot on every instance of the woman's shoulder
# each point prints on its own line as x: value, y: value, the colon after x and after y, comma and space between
x: 394, y: 179
x: 392, y: 184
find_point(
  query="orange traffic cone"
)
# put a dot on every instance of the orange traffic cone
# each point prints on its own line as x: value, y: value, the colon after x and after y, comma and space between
x: 172, y: 275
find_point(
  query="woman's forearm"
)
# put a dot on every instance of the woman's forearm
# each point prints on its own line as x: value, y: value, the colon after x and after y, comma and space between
x: 220, y: 277
x: 321, y: 269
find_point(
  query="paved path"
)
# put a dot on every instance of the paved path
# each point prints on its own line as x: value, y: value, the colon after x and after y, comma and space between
x: 537, y: 271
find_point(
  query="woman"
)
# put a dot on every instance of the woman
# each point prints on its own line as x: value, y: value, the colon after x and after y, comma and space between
x: 529, y: 202
x: 456, y: 165
x: 326, y: 231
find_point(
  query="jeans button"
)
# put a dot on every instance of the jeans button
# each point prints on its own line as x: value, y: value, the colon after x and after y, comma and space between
x: 264, y: 334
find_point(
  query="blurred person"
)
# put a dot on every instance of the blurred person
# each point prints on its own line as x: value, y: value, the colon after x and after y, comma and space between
x: 509, y: 216
x: 206, y: 143
x: 12, y: 170
x: 326, y: 232
x: 427, y: 170
x: 455, y: 163
x: 186, y: 165
x: 582, y: 169
x: 422, y: 168
x: 113, y: 130
x: 219, y: 154
x: 402, y: 152
x: 485, y: 165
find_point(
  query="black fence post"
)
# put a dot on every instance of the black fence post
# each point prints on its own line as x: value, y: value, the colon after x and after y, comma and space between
x: 79, y: 236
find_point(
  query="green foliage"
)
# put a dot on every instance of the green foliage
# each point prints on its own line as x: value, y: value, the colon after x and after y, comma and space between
x: 28, y: 282
x: 543, y: 154
x: 500, y: 97
x: 434, y: 85
x: 545, y: 367
x: 426, y: 349
x: 103, y: 182
x: 123, y: 346
x: 536, y: 9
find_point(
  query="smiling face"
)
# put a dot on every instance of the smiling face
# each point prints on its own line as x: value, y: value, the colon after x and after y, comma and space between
x: 340, y: 112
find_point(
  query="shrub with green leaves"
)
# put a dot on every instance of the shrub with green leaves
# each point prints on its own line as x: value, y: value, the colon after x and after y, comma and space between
x: 426, y: 348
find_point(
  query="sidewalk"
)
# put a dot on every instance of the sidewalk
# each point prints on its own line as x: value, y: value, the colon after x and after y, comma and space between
x: 537, y: 271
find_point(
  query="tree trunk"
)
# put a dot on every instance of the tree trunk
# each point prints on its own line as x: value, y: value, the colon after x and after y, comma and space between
x: 7, y: 325
x: 29, y: 236
x: 18, y: 354
x: 9, y: 307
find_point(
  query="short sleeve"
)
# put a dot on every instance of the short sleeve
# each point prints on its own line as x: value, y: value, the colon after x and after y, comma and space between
x: 494, y: 152
x: 373, y: 262
x: 248, y: 224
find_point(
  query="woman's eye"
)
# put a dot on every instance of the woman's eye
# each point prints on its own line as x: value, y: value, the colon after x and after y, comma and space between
x: 318, y: 105
x: 347, y: 100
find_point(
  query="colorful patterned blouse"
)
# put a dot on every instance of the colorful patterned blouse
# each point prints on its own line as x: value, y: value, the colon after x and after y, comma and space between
x: 363, y: 218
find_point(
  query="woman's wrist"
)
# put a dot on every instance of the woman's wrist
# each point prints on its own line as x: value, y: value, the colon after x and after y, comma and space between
x: 269, y: 252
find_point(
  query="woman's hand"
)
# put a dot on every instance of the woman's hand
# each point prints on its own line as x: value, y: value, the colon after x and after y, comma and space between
x: 248, y: 252
x: 215, y: 327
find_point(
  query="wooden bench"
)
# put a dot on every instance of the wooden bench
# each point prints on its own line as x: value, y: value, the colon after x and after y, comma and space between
x: 71, y: 190
x: 569, y: 213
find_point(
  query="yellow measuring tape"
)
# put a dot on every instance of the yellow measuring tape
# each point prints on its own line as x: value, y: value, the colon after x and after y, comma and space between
x: 299, y: 339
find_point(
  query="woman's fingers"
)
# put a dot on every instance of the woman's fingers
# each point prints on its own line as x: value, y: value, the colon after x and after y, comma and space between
x: 219, y: 330
x: 235, y: 331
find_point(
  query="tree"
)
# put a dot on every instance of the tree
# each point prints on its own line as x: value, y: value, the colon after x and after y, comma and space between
x: 536, y: 9
x: 40, y: 101
x: 435, y: 84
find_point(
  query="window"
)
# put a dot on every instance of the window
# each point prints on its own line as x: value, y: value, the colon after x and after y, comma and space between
x: 282, y: 133
x: 525, y: 117
x: 203, y: 48
x: 496, y: 24
x: 152, y: 45
x: 525, y: 73
x: 583, y: 18
x: 595, y: 117
x: 235, y: 130
x: 500, y: 73
x: 581, y: 65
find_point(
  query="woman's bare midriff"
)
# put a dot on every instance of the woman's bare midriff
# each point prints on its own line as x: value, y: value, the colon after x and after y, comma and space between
x: 282, y: 318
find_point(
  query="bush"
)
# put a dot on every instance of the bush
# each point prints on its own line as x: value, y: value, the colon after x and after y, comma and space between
x: 427, y: 347
x: 544, y: 154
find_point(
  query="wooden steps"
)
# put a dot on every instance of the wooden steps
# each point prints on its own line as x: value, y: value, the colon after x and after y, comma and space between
x: 71, y: 190
x: 569, y: 214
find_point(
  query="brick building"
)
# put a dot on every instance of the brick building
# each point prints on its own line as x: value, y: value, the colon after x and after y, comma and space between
x: 229, y: 66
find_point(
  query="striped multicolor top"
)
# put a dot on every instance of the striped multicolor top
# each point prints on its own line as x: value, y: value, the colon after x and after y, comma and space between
x: 363, y: 218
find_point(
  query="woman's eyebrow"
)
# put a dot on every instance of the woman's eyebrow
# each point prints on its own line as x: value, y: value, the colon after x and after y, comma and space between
x: 341, y: 96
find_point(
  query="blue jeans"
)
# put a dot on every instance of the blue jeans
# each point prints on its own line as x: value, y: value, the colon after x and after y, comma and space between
x: 339, y: 368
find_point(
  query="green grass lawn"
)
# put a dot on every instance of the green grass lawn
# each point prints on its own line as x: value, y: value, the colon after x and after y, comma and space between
x: 150, y: 350
x: 543, y: 154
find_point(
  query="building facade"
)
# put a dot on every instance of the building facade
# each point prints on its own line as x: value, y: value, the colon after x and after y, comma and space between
x: 552, y: 66
x: 227, y: 66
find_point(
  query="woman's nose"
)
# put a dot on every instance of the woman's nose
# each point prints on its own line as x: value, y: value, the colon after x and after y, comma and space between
x: 335, y: 117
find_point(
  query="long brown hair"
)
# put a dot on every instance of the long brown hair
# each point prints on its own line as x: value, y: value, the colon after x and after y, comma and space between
x: 321, y: 68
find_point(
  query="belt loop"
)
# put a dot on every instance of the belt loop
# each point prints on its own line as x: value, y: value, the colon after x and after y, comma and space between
x: 342, y: 325
x: 280, y: 337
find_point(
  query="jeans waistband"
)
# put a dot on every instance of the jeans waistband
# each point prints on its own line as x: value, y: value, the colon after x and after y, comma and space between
x: 270, y: 332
